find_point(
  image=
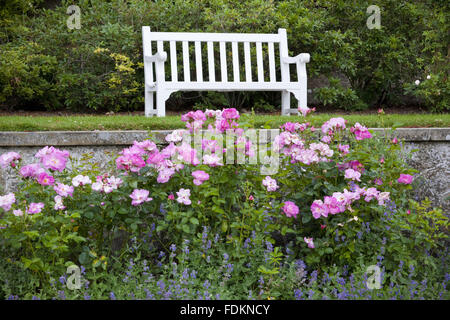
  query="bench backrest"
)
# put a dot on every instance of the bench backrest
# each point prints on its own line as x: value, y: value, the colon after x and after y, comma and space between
x: 211, y: 42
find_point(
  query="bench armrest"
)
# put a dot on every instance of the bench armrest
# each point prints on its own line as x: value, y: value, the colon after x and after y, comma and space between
x: 159, y: 56
x: 302, y: 57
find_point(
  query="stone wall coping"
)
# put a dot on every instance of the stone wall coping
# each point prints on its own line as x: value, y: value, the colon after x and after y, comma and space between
x: 124, y: 138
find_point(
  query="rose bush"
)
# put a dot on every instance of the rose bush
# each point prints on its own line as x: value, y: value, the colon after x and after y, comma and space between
x: 339, y: 199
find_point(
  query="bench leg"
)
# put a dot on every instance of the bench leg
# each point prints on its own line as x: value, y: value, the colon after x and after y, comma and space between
x: 161, y: 103
x: 149, y: 111
x: 285, y: 103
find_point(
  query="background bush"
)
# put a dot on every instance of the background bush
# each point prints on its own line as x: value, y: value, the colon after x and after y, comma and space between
x: 98, y: 67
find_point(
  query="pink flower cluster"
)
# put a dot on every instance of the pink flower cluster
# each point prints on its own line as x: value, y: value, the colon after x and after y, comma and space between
x: 139, y: 196
x: 106, y: 184
x: 333, y: 125
x: 290, y: 144
x: 292, y: 127
x: 341, y: 201
x: 9, y: 159
x: 6, y: 201
x: 290, y: 209
x: 63, y: 190
x: 183, y: 196
x: 270, y: 184
x: 53, y: 158
x: 360, y: 132
x: 405, y: 178
x: 200, y: 176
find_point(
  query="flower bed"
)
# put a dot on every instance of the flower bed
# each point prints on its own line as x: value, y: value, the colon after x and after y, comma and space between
x: 300, y: 218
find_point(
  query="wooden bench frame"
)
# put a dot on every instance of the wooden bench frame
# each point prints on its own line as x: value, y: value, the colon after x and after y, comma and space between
x: 164, y: 89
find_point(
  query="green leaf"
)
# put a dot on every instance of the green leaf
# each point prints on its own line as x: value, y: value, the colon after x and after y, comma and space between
x: 194, y: 220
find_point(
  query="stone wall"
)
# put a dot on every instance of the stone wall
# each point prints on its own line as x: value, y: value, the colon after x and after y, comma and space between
x: 431, y: 159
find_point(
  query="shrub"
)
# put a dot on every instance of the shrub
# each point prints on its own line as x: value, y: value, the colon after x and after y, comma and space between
x: 363, y: 67
x: 335, y: 200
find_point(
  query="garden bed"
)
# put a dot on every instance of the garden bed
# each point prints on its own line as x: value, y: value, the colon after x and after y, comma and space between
x: 140, y: 227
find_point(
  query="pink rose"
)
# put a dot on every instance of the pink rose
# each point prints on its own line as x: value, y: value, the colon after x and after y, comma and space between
x: 405, y: 179
x: 290, y: 209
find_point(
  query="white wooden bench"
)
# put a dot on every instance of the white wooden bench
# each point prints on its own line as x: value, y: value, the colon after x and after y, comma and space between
x: 163, y: 88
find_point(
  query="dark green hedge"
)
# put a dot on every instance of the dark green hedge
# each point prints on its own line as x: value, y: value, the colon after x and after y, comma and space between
x: 98, y: 67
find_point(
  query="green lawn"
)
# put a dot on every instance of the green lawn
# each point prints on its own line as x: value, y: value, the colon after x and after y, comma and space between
x: 124, y: 122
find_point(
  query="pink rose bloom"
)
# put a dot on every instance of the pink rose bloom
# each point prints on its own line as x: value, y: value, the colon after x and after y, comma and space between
x: 405, y: 179
x: 270, y: 184
x: 355, y: 165
x: 211, y: 160
x: 344, y: 148
x: 31, y: 170
x: 98, y: 185
x: 251, y: 198
x: 200, y: 176
x: 54, y: 161
x: 183, y: 196
x: 51, y: 150
x: 6, y: 201
x: 382, y: 198
x: 45, y: 180
x: 289, y: 126
x: 305, y: 110
x: 199, y: 115
x: 147, y: 146
x: 139, y: 196
x: 35, y: 208
x: 188, y: 154
x: 164, y: 175
x: 171, y: 197
x: 333, y: 205
x: 59, y: 203
x: 360, y: 132
x: 290, y: 209
x: 370, y: 194
x: 18, y: 213
x: 9, y: 158
x: 81, y: 180
x: 330, y: 126
x: 210, y: 113
x: 395, y: 141
x: 326, y: 139
x: 63, y: 190
x: 175, y: 136
x: 318, y: 209
x: 309, y: 242
x: 155, y: 159
x: 230, y: 113
x: 114, y: 182
x: 352, y: 175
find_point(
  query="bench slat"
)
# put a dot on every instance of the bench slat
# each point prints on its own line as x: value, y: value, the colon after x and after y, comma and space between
x: 204, y: 37
x: 248, y: 63
x: 223, y: 62
x: 198, y: 61
x: 211, y: 69
x: 186, y: 67
x: 232, y: 86
x: 173, y: 61
x: 272, y: 62
x: 259, y: 62
x: 234, y: 48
